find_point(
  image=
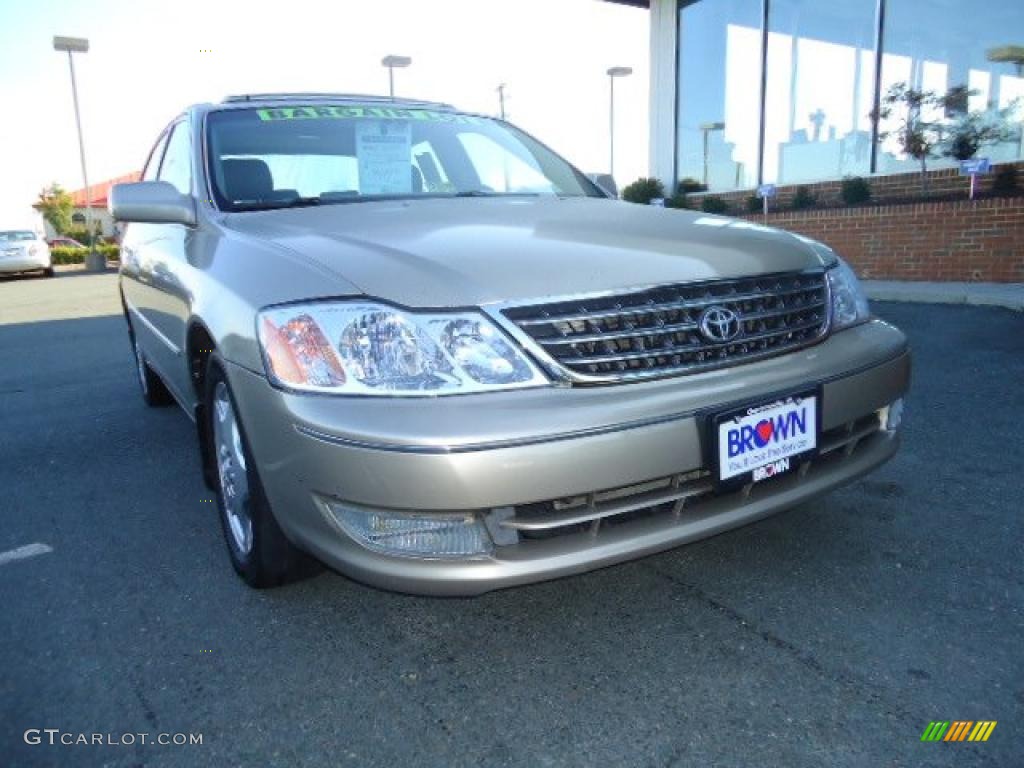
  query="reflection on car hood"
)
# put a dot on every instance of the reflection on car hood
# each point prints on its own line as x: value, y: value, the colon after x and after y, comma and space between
x: 470, y: 252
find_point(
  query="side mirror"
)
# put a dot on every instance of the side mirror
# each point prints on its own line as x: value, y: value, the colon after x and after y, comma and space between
x: 606, y: 182
x: 153, y: 202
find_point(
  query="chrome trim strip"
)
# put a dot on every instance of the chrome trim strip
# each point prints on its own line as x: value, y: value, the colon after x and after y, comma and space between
x: 156, y: 331
x: 587, y: 338
x: 683, y: 349
x: 665, y: 307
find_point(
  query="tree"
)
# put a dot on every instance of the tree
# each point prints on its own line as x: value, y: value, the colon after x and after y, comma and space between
x: 954, y: 132
x: 969, y: 131
x: 916, y: 135
x: 56, y: 206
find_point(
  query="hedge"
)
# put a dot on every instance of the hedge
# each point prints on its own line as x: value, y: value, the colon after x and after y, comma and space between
x: 642, y: 191
x: 77, y: 255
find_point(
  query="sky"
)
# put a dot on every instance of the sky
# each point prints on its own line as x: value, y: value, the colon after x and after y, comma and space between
x: 147, y: 61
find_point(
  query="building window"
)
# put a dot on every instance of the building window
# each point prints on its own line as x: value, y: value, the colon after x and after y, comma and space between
x: 821, y: 63
x: 940, y: 44
x: 719, y: 92
x: 819, y: 91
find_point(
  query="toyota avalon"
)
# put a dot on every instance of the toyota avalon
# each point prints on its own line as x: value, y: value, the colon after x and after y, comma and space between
x: 423, y: 349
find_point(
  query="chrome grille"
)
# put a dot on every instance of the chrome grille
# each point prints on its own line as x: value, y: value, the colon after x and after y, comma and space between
x: 657, y: 331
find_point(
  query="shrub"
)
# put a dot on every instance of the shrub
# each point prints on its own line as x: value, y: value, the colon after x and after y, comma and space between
x: 1005, y: 181
x: 754, y: 204
x: 802, y: 199
x: 77, y: 255
x: 855, y: 190
x: 677, y: 201
x: 642, y: 191
x: 80, y: 233
x: 712, y: 204
x: 688, y: 185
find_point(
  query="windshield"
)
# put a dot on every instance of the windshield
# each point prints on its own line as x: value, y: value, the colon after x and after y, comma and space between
x: 281, y: 157
x: 15, y: 236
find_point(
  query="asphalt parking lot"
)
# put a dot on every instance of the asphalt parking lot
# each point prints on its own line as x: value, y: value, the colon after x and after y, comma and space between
x: 828, y: 635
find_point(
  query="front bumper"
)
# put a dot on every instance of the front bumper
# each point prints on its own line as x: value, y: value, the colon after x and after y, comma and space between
x: 483, y: 452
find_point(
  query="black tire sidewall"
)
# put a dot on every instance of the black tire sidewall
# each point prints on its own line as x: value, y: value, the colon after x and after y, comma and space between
x: 154, y: 391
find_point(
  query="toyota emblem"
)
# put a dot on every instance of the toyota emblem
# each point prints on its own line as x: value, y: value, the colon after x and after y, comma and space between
x: 719, y: 324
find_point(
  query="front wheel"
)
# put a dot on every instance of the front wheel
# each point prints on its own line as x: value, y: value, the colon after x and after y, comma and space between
x: 258, y: 548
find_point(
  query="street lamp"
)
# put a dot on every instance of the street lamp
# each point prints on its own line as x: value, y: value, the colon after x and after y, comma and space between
x: 501, y: 100
x: 391, y: 62
x: 94, y: 262
x: 612, y: 74
x: 706, y: 128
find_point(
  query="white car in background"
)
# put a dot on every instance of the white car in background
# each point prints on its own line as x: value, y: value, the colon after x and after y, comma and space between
x: 22, y: 250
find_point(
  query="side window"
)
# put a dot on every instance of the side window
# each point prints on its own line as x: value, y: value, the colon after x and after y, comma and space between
x: 176, y: 168
x: 153, y: 164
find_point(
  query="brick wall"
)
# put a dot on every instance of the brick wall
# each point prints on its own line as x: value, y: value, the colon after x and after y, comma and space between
x: 896, y: 238
x: 981, y: 240
x: 900, y: 187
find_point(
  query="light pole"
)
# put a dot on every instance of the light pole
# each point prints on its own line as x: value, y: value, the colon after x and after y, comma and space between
x: 94, y: 262
x: 612, y: 74
x: 707, y: 128
x: 501, y: 100
x: 391, y: 62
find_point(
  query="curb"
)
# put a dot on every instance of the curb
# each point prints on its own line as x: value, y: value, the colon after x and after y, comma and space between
x: 1006, y: 295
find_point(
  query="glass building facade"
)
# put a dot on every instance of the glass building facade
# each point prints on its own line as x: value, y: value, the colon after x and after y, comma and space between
x: 785, y: 91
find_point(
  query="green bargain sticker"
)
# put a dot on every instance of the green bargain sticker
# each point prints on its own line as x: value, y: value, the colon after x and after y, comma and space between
x: 380, y: 113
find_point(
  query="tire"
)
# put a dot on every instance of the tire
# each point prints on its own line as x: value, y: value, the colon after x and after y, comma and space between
x: 259, y: 551
x: 154, y: 391
x: 48, y: 272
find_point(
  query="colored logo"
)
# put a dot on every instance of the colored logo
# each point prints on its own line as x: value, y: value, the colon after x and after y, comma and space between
x: 719, y: 324
x: 958, y: 730
x: 781, y: 427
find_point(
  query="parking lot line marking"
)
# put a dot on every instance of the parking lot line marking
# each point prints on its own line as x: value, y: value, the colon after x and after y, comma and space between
x: 29, y: 550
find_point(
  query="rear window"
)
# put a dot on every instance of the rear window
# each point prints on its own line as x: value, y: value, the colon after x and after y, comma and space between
x: 17, y: 235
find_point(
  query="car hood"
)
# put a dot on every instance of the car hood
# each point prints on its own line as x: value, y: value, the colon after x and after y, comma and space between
x: 477, y: 251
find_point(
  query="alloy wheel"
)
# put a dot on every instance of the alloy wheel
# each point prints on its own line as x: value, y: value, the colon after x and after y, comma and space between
x: 231, y: 469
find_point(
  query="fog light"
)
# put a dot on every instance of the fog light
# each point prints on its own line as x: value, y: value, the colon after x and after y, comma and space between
x: 894, y: 415
x: 441, y: 536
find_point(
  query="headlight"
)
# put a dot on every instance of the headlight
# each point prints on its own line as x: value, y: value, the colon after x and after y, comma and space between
x: 849, y: 304
x: 33, y: 250
x: 362, y: 348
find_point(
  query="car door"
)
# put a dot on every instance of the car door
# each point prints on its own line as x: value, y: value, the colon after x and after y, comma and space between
x: 160, y: 297
x: 135, y: 277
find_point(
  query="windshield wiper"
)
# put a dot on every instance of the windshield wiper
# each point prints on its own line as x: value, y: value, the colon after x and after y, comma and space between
x: 270, y: 205
x: 485, y: 193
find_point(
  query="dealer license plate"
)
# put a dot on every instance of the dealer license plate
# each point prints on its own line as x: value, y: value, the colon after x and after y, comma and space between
x: 760, y: 441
